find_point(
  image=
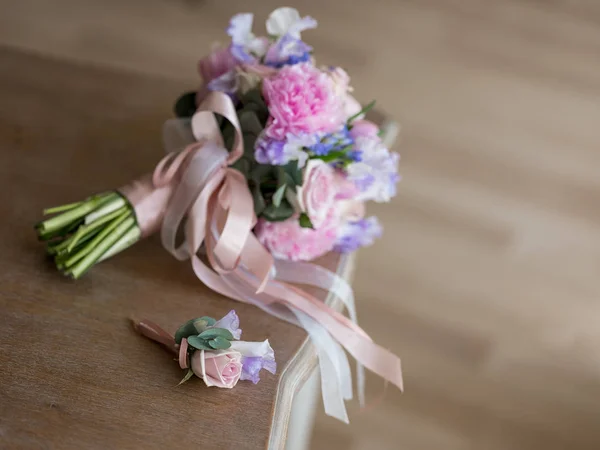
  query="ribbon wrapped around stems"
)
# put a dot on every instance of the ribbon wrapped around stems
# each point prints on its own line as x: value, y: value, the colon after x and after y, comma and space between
x: 198, y: 190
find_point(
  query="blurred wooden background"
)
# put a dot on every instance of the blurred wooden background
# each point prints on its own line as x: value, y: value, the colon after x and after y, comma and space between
x: 486, y: 282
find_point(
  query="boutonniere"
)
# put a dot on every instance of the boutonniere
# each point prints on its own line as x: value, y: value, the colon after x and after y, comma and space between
x: 211, y: 350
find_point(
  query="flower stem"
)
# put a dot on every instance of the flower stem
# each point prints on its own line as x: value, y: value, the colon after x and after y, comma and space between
x: 64, y: 219
x: 90, y: 227
x: 127, y: 240
x: 100, y: 244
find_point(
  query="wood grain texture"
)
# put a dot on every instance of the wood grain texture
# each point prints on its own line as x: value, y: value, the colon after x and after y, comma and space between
x: 486, y: 281
x: 73, y: 372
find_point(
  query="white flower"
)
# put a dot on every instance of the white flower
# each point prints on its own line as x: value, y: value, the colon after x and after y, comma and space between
x: 245, y: 44
x: 376, y: 174
x: 286, y: 20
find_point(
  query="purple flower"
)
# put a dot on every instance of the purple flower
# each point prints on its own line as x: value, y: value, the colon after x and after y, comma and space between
x: 354, y: 235
x: 245, y: 47
x: 230, y: 322
x: 226, y: 83
x: 279, y: 152
x: 255, y: 357
x: 376, y: 174
x: 287, y: 51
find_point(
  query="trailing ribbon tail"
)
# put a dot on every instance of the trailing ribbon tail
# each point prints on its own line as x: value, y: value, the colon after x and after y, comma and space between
x: 216, y: 204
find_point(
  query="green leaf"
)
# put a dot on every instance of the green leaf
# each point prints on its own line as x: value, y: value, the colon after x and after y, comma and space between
x: 185, y: 330
x: 249, y: 122
x: 198, y: 343
x: 253, y: 96
x: 188, y: 375
x: 305, y: 222
x: 219, y: 343
x: 202, y: 323
x: 249, y: 144
x: 193, y: 327
x: 185, y: 106
x: 278, y: 195
x: 279, y: 213
x: 259, y: 201
x: 362, y: 111
x: 332, y: 156
x: 294, y: 172
x: 213, y: 333
x: 228, y: 132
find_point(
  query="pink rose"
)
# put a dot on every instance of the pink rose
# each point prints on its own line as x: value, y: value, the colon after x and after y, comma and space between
x: 222, y: 369
x: 347, y: 207
x: 318, y: 191
x: 364, y: 128
x: 301, y: 100
x: 288, y: 240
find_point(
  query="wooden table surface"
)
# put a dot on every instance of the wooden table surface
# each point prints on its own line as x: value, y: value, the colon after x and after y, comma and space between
x: 73, y: 373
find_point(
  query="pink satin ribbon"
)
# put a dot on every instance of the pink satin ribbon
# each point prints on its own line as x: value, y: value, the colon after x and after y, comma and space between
x: 213, y: 203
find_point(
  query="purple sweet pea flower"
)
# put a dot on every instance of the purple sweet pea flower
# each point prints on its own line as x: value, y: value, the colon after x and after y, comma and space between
x: 354, y: 235
x: 226, y: 83
x: 230, y: 322
x: 279, y: 152
x: 288, y: 50
x: 245, y: 47
x: 255, y: 357
x: 376, y: 174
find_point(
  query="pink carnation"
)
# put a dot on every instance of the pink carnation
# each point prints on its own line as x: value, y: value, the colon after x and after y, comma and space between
x: 302, y: 99
x: 288, y: 240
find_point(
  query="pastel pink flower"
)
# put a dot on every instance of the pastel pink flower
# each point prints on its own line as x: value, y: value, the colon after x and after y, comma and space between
x: 347, y: 206
x: 364, y: 128
x: 219, y: 62
x: 317, y: 193
x: 288, y: 240
x: 351, y: 107
x: 302, y: 99
x: 220, y: 368
x: 216, y: 64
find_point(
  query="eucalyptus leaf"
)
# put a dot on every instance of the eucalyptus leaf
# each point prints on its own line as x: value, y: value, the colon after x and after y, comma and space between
x: 279, y: 213
x: 253, y: 96
x: 260, y: 171
x: 259, y: 201
x: 188, y: 375
x: 198, y: 343
x: 202, y: 323
x: 294, y: 172
x: 228, y: 132
x: 305, y: 221
x: 278, y: 195
x: 185, y: 330
x: 185, y: 106
x: 249, y: 144
x: 213, y: 333
x: 219, y: 343
x: 249, y: 122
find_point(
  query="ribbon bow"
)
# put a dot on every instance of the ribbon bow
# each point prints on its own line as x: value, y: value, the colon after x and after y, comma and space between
x: 216, y: 203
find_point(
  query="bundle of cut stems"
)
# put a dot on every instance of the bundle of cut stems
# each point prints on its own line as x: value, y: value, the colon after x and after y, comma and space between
x: 82, y: 234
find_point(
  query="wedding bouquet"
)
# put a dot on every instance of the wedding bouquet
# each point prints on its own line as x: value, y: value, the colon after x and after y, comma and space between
x: 309, y: 158
x: 280, y: 168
